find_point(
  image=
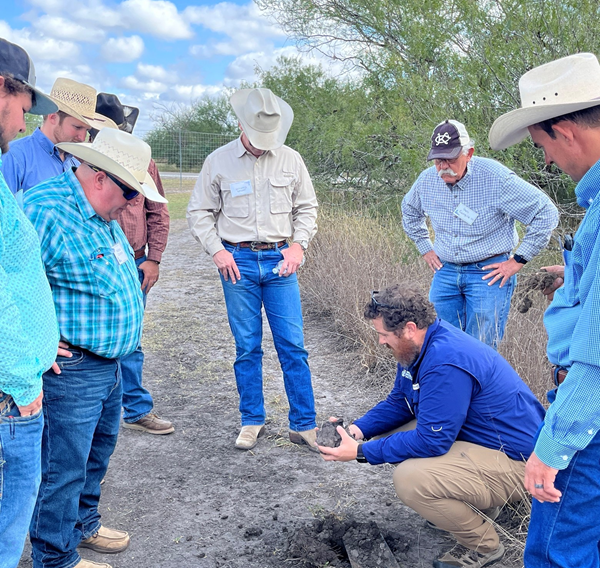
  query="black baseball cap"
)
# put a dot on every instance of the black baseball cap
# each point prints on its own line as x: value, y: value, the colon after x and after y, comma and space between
x: 15, y: 61
x: 447, y: 140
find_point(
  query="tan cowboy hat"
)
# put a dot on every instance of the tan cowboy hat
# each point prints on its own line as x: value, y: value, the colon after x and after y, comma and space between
x: 77, y: 100
x: 121, y: 154
x: 548, y: 91
x: 265, y: 118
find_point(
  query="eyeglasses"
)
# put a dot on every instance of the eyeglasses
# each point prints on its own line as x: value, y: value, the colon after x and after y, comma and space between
x: 441, y: 161
x: 379, y: 304
x: 568, y: 242
x: 128, y: 192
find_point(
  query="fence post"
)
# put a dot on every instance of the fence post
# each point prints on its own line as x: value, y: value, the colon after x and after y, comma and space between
x: 180, y: 163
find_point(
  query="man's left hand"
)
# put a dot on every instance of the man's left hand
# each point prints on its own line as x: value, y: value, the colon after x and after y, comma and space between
x: 150, y: 270
x: 345, y: 452
x: 292, y: 257
x: 502, y: 270
x: 542, y: 475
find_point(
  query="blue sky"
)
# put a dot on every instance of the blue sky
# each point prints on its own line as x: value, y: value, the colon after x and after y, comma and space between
x: 149, y: 52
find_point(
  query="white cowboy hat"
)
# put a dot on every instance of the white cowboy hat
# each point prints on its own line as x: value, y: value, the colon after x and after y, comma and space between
x: 548, y: 91
x: 265, y: 118
x: 121, y: 154
x: 77, y: 100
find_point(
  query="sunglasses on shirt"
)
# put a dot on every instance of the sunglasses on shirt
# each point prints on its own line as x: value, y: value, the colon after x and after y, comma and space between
x: 379, y: 304
x: 128, y: 192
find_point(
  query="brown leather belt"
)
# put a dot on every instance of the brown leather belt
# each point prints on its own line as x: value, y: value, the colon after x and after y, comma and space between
x: 559, y: 374
x: 257, y: 245
x: 139, y: 253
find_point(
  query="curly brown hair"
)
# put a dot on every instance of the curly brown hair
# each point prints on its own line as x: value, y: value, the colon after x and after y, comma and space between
x: 14, y: 87
x: 398, y: 305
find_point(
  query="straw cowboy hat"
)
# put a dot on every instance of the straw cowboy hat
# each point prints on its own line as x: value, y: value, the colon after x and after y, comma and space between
x: 265, y: 118
x: 79, y: 101
x: 551, y: 90
x: 120, y: 154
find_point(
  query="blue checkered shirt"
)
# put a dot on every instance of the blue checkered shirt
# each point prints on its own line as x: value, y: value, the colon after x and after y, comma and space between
x: 573, y: 325
x: 98, y: 300
x: 497, y: 195
x: 28, y: 328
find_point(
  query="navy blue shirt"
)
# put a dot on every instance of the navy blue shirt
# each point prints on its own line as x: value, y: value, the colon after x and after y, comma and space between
x: 32, y: 160
x: 459, y: 389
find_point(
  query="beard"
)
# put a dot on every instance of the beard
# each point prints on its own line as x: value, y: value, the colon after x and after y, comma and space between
x: 3, y: 141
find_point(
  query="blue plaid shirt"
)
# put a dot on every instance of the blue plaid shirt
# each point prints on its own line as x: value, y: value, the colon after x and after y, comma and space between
x: 28, y: 328
x: 98, y: 300
x: 573, y: 325
x: 497, y: 195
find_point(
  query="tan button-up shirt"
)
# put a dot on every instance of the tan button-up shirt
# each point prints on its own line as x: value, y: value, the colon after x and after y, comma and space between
x: 239, y: 197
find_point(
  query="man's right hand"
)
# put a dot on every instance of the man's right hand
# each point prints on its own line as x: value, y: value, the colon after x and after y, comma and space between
x: 32, y: 408
x: 354, y: 431
x: 433, y: 260
x: 558, y: 281
x: 227, y: 266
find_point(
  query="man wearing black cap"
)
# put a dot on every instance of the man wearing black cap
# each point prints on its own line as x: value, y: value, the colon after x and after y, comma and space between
x: 28, y: 326
x: 146, y: 226
x: 472, y: 204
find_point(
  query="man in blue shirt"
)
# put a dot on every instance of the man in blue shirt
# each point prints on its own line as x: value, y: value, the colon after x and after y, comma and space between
x: 28, y: 328
x: 472, y: 204
x: 561, y: 112
x: 34, y: 159
x: 459, y: 422
x: 94, y: 281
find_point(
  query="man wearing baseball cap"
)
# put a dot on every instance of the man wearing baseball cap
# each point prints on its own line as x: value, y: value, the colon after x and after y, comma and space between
x: 472, y: 204
x: 560, y: 110
x: 98, y: 302
x: 36, y: 158
x: 254, y: 195
x: 28, y: 327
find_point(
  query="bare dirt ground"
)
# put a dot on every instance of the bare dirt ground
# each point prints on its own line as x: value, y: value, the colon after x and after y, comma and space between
x: 191, y: 499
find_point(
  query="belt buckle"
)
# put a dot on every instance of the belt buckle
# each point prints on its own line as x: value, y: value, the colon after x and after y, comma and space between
x: 253, y: 246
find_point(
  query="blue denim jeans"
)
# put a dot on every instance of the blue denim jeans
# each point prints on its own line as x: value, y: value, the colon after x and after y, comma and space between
x: 280, y: 297
x: 20, y: 472
x: 82, y: 407
x: 462, y: 298
x: 567, y: 534
x: 137, y: 401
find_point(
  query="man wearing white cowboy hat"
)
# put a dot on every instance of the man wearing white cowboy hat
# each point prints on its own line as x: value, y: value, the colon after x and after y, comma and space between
x: 472, y: 204
x: 561, y: 112
x: 35, y: 158
x: 252, y: 197
x: 98, y: 302
x: 28, y: 328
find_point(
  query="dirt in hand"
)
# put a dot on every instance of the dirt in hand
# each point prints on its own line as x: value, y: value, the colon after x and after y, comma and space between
x: 327, y: 434
x: 530, y: 284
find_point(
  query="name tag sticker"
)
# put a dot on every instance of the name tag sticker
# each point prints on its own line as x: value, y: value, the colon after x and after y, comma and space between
x: 239, y: 188
x: 119, y: 253
x: 465, y: 214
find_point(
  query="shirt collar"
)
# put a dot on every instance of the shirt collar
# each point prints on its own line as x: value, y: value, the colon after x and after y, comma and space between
x: 240, y: 150
x: 413, y: 369
x: 85, y: 208
x: 43, y: 141
x: 465, y: 179
x: 588, y: 187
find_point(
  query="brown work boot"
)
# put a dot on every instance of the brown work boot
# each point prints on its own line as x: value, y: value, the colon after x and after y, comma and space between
x: 89, y: 564
x: 307, y: 437
x: 107, y: 541
x: 248, y: 437
x: 152, y: 424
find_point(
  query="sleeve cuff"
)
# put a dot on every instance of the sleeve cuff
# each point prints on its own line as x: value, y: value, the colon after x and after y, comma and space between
x: 552, y: 453
x: 424, y: 246
x: 154, y: 255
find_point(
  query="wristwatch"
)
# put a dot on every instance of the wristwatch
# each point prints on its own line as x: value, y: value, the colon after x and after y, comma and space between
x: 303, y: 244
x: 518, y: 258
x: 360, y: 457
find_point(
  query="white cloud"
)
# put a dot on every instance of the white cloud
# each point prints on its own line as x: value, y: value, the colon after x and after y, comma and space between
x: 152, y: 86
x: 63, y: 29
x: 242, y: 68
x: 155, y: 72
x: 123, y: 49
x: 156, y: 17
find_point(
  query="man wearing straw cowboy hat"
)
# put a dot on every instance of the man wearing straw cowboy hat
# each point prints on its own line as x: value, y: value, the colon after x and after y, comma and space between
x: 28, y: 328
x: 560, y: 110
x: 35, y: 158
x: 473, y: 203
x: 93, y: 277
x: 252, y: 196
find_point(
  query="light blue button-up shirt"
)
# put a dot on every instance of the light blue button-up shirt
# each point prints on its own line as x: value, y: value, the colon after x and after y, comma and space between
x: 32, y: 160
x: 496, y: 196
x: 28, y: 327
x: 573, y: 325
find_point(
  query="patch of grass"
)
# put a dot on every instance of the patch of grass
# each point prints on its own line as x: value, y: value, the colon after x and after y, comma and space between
x: 178, y: 202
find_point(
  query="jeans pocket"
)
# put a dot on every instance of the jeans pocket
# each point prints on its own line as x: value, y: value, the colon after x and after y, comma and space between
x: 68, y: 362
x: 15, y: 416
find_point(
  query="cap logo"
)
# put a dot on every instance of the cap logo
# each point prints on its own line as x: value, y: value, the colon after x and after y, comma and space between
x: 442, y: 139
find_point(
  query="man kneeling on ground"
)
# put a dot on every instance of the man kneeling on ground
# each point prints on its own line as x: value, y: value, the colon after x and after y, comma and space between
x: 459, y: 422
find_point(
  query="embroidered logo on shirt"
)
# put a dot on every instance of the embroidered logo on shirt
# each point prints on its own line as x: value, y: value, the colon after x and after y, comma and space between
x: 442, y: 139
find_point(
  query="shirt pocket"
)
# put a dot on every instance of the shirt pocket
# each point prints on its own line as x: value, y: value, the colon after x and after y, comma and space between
x: 105, y: 268
x: 280, y: 193
x: 234, y: 206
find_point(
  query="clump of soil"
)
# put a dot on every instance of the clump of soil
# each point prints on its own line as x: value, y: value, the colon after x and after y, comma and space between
x: 537, y: 281
x: 328, y: 436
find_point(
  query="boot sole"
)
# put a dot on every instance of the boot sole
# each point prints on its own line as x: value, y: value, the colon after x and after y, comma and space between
x: 103, y: 549
x: 143, y: 429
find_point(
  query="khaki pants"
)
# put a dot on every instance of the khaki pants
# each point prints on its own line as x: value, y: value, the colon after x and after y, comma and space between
x: 441, y: 489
